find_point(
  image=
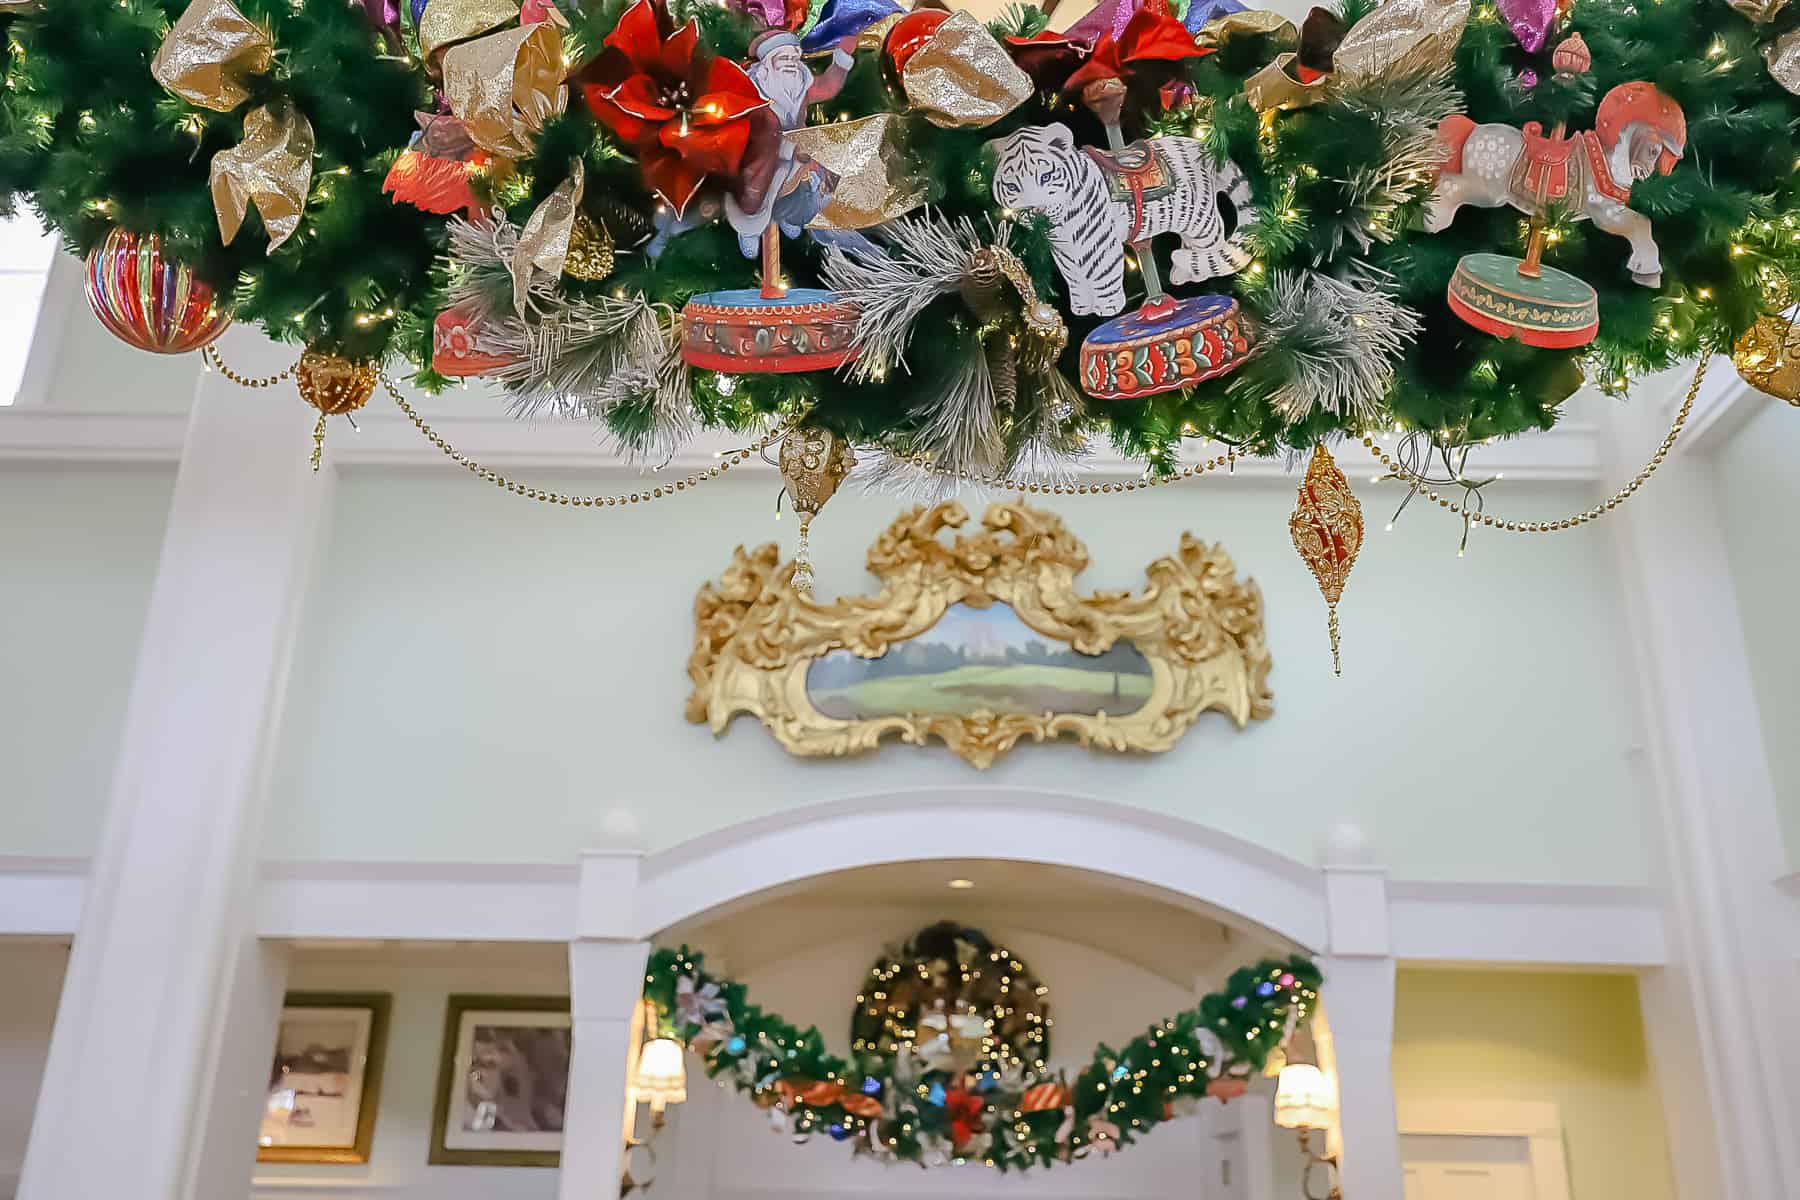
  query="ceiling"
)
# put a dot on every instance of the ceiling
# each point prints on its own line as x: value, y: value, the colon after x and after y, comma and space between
x: 1139, y: 925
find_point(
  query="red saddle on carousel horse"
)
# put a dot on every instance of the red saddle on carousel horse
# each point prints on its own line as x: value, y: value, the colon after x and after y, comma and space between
x: 1638, y: 130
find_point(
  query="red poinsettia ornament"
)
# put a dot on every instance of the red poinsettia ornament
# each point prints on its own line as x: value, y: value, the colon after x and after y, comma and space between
x: 685, y: 111
x: 1150, y: 37
x: 965, y: 1109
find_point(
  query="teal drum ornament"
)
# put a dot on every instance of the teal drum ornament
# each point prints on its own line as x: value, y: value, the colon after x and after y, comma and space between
x: 148, y: 301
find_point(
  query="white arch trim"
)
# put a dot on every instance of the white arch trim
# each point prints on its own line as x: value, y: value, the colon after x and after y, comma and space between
x: 1235, y: 881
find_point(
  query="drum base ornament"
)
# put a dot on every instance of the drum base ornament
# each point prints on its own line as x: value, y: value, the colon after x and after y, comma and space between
x: 747, y: 332
x: 1165, y: 345
x: 1551, y: 309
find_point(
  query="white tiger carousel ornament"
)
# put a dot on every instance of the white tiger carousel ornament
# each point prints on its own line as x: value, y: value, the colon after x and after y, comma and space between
x: 1100, y: 201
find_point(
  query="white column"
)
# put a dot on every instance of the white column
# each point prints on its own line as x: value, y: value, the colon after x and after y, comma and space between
x: 1720, y: 1018
x: 166, y: 991
x: 1356, y: 1038
x: 606, y: 979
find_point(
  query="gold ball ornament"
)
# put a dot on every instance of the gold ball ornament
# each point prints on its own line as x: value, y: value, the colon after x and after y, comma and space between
x: 590, y: 256
x: 334, y: 384
x: 1768, y: 357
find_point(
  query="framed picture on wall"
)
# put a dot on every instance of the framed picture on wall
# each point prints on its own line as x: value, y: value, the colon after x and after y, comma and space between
x: 503, y: 1081
x: 325, y: 1081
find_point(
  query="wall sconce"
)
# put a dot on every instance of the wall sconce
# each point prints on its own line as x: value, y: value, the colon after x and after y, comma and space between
x: 660, y: 1079
x: 661, y: 1076
x: 1304, y: 1101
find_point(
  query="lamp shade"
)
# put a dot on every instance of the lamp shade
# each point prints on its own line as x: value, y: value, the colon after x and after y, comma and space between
x: 1304, y: 1099
x: 661, y: 1076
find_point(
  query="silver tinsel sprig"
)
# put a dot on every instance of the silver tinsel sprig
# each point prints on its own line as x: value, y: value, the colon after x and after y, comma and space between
x: 970, y: 424
x: 581, y: 358
x: 1406, y: 109
x: 924, y: 260
x: 1327, y: 343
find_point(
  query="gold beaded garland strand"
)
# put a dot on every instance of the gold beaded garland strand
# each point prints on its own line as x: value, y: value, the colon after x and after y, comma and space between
x: 214, y: 362
x: 544, y: 496
x: 1228, y: 461
x: 1399, y: 473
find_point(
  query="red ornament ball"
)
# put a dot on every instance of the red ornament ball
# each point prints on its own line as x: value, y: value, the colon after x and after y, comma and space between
x: 147, y: 300
x: 910, y: 33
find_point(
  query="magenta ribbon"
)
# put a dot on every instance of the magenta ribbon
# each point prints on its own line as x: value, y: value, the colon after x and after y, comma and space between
x: 1530, y: 20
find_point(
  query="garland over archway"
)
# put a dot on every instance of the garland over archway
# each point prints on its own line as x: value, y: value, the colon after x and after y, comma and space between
x: 345, y: 139
x: 931, y: 1112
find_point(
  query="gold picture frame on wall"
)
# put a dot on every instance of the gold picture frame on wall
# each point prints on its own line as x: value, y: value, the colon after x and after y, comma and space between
x: 980, y: 643
x: 325, y: 1078
x: 503, y: 1080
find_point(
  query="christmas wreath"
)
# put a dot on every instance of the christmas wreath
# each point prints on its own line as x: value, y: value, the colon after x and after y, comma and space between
x: 930, y: 1089
x: 921, y: 232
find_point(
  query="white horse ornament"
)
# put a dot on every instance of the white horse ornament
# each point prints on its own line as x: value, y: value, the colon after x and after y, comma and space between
x: 1638, y: 129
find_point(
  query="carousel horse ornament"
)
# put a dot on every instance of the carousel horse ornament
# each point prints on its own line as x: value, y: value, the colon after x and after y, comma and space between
x: 1638, y: 130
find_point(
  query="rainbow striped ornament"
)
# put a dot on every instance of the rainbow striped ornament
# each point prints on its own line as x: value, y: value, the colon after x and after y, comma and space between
x: 147, y: 301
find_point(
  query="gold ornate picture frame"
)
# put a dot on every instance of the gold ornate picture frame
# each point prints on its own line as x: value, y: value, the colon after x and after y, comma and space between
x: 980, y: 643
x: 325, y: 1078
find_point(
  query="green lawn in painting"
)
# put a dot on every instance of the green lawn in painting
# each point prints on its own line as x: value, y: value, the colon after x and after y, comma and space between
x: 980, y: 660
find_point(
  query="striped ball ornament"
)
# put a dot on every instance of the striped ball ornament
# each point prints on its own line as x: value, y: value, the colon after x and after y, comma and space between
x: 149, y: 301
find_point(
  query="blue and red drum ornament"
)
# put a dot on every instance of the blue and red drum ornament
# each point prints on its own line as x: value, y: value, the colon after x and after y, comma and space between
x: 1165, y: 345
x: 749, y: 332
x: 147, y: 300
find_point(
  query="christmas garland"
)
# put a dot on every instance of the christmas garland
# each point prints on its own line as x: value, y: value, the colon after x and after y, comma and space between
x: 916, y: 1108
x: 346, y: 174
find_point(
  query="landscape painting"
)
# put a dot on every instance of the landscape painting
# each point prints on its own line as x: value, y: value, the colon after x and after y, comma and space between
x: 323, y: 1082
x: 980, y: 660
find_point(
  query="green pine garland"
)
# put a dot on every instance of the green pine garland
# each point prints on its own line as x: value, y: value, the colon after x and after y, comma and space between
x: 893, y: 1107
x: 91, y: 140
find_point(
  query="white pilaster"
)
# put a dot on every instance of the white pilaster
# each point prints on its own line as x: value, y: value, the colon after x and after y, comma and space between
x: 1710, y: 811
x: 606, y: 979
x: 166, y: 987
x: 1356, y: 1038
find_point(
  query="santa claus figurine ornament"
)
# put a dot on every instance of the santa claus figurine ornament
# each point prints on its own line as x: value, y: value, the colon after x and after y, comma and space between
x: 774, y: 329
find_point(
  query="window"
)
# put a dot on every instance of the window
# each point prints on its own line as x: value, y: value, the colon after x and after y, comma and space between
x: 25, y: 254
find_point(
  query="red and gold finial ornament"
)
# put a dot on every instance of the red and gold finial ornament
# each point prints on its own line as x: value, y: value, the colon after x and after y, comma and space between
x: 1327, y: 527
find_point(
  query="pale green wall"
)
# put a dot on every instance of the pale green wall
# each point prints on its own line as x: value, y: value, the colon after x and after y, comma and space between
x: 481, y: 678
x: 1757, y: 481
x: 78, y: 553
x: 1577, y: 1040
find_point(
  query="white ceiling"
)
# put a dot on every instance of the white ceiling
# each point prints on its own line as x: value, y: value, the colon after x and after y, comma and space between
x: 1141, y: 926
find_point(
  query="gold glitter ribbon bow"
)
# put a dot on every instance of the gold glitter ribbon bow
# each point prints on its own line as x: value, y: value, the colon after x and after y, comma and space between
x: 447, y: 22
x: 504, y: 86
x: 876, y: 180
x: 207, y: 58
x: 544, y: 242
x: 1399, y: 38
x: 1782, y: 54
x: 962, y: 77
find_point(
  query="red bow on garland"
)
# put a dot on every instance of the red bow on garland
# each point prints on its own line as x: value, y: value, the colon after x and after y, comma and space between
x: 821, y: 1094
x: 685, y: 111
x: 1150, y: 37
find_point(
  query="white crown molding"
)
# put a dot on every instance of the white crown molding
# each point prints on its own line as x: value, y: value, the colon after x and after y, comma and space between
x: 1431, y: 923
x: 1568, y: 453
x: 1527, y: 924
